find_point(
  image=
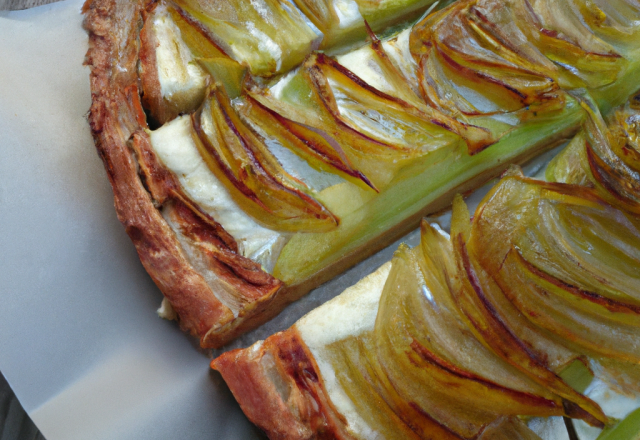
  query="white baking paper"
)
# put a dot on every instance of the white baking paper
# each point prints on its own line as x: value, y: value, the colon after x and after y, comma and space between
x: 80, y: 341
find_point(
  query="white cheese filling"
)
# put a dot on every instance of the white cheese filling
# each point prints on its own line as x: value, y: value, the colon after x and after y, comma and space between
x: 176, y: 149
x: 362, y: 62
x: 351, y: 313
x: 182, y: 80
x: 348, y: 13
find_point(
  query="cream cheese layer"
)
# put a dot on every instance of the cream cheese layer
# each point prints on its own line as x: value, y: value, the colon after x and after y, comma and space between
x: 350, y: 314
x: 182, y: 80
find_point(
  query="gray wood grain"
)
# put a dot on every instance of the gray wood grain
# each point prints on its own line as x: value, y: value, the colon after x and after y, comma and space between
x: 15, y: 424
x: 15, y: 5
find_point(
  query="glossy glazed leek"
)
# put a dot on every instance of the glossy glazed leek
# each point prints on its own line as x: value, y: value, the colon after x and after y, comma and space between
x: 239, y: 158
x: 268, y: 36
x: 605, y: 156
x: 480, y: 311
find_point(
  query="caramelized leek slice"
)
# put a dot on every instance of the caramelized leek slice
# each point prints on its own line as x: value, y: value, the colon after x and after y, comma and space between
x: 194, y: 36
x: 475, y: 299
x: 570, y: 242
x: 561, y: 34
x: 377, y: 69
x: 208, y: 54
x: 378, y: 134
x: 477, y: 59
x: 302, y: 140
x: 378, y: 116
x: 566, y: 232
x: 557, y: 309
x: 404, y: 377
x: 417, y: 374
x: 487, y: 57
x: 624, y: 135
x: 544, y: 246
x: 378, y: 402
x: 614, y: 21
x: 571, y: 164
x: 428, y: 353
x: 607, y: 158
x: 258, y: 183
x: 438, y: 264
x: 608, y: 169
x: 485, y: 54
x: 267, y: 36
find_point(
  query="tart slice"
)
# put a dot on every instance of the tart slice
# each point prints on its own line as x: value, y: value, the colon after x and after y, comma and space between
x: 466, y: 334
x: 248, y: 167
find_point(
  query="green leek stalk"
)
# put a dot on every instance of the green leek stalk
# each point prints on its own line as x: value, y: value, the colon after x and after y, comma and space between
x: 627, y: 429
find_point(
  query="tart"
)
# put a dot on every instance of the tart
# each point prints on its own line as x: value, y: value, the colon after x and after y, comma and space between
x: 256, y: 149
x: 531, y: 308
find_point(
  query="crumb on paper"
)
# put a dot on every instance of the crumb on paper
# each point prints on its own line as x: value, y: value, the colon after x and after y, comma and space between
x: 165, y: 311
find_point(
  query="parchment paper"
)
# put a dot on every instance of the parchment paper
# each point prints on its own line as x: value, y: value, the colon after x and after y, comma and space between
x: 80, y: 342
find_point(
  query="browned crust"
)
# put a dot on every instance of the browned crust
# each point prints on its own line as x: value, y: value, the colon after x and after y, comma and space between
x: 278, y: 386
x: 114, y: 117
x: 117, y: 123
x: 149, y: 80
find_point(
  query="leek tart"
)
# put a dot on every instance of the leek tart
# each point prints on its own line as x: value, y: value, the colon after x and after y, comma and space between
x: 258, y: 148
x: 527, y: 311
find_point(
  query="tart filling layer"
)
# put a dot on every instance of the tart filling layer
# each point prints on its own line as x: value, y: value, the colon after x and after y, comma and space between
x: 174, y: 145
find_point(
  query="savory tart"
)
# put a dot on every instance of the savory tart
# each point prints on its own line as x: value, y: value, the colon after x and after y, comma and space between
x: 257, y: 148
x: 530, y: 309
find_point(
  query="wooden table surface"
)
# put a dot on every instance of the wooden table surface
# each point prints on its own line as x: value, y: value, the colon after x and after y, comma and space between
x: 15, y: 423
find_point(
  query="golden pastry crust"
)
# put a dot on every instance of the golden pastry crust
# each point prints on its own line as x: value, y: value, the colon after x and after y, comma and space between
x: 141, y: 185
x: 278, y: 385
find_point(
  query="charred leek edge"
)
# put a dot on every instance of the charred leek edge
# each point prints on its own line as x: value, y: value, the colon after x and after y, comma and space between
x: 438, y: 176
